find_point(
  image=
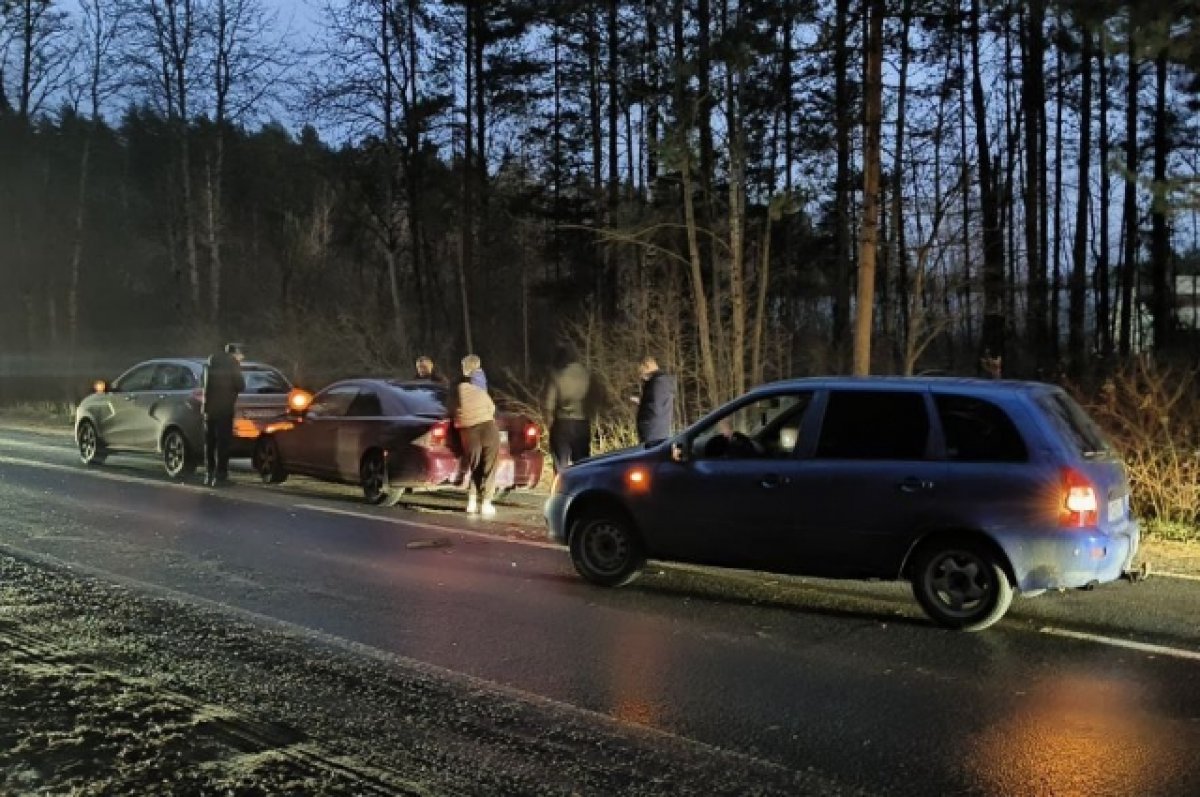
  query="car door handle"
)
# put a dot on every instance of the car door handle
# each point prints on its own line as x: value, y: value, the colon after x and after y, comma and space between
x: 773, y: 480
x: 914, y: 485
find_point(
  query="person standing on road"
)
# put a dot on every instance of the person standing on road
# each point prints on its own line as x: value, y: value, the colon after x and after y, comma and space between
x: 656, y: 405
x: 223, y: 381
x: 475, y: 419
x: 567, y: 412
x: 428, y: 372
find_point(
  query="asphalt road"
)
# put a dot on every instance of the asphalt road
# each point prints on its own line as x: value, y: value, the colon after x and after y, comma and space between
x: 1080, y: 693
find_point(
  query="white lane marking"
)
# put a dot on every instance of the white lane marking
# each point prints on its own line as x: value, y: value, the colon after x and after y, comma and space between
x: 1143, y: 647
x: 80, y: 470
x: 482, y: 535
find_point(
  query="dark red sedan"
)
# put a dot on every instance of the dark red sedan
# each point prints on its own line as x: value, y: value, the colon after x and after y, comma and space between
x: 389, y: 437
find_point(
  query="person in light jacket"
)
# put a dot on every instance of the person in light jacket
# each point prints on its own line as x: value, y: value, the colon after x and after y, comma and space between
x: 475, y: 419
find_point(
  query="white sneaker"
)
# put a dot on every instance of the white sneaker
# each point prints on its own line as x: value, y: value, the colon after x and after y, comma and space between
x: 473, y: 504
x: 489, y: 509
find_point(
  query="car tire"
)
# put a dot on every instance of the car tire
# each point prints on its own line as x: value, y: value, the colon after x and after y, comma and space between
x: 179, y: 460
x: 961, y: 586
x: 605, y: 548
x: 91, y: 450
x: 268, y: 462
x: 372, y: 476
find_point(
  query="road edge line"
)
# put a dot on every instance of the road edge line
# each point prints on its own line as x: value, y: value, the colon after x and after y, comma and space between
x: 1128, y: 644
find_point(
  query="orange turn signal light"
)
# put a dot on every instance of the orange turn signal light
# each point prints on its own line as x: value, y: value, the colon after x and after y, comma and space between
x: 298, y: 400
x: 638, y: 480
x: 281, y: 426
x: 244, y: 428
x: 99, y: 386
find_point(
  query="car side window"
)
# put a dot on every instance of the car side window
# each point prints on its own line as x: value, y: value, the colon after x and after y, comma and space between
x: 332, y: 403
x: 978, y: 431
x: 365, y: 405
x: 138, y: 379
x: 874, y: 425
x: 171, y: 376
x: 768, y: 428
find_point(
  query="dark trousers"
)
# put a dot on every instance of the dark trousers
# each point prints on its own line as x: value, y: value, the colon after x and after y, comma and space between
x: 218, y: 436
x: 481, y: 447
x: 570, y: 441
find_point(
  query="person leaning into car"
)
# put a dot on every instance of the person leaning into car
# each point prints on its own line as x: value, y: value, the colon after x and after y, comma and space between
x: 475, y: 419
x: 223, y: 381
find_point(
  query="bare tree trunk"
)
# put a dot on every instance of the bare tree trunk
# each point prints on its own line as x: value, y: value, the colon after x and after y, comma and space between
x: 760, y: 305
x: 897, y: 244
x: 993, y: 334
x: 1129, y: 267
x: 1078, y: 303
x: 737, y: 221
x: 869, y: 241
x: 1033, y: 107
x: 213, y: 172
x: 842, y: 124
x: 1056, y: 280
x: 1103, y: 317
x: 703, y: 328
x: 466, y: 223
x: 1161, y: 301
x: 77, y: 244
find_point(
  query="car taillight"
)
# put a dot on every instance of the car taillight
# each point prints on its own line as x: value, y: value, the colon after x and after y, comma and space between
x: 439, y: 433
x: 1080, y: 506
x: 531, y: 435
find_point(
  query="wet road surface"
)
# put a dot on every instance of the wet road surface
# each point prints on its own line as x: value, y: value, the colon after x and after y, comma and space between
x: 844, y: 679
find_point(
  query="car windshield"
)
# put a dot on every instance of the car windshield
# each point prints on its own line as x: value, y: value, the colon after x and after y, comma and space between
x: 265, y: 381
x: 1078, y: 426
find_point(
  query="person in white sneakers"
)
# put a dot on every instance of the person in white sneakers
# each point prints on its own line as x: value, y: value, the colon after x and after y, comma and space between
x: 475, y: 419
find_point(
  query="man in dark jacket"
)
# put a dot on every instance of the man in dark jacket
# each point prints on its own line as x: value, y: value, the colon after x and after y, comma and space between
x: 428, y: 372
x: 656, y: 405
x: 567, y: 412
x: 223, y: 381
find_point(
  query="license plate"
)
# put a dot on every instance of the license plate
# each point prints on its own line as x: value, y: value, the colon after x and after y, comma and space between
x: 503, y: 437
x: 1116, y: 509
x: 259, y: 413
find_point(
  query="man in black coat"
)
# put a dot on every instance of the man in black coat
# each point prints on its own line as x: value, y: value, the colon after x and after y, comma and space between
x: 656, y: 405
x: 223, y: 381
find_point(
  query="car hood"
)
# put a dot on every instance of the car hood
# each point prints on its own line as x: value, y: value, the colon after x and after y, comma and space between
x: 636, y: 454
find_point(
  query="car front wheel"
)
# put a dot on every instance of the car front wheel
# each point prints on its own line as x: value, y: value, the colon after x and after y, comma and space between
x: 178, y: 458
x: 605, y: 549
x: 267, y: 461
x: 91, y: 452
x: 961, y: 586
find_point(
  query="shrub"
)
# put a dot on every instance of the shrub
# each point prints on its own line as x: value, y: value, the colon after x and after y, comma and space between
x: 1152, y: 413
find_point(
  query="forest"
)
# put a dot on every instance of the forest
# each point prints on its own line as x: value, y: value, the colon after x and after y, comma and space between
x: 750, y: 189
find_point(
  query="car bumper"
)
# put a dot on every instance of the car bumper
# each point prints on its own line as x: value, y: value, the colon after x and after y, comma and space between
x: 1066, y: 559
x: 438, y: 469
x: 555, y: 512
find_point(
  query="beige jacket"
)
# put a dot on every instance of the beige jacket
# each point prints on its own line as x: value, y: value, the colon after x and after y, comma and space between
x: 474, y: 406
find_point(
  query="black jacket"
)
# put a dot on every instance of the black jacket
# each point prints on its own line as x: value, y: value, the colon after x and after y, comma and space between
x: 656, y: 409
x: 223, y: 381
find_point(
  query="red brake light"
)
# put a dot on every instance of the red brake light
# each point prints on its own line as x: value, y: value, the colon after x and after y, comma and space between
x: 439, y: 432
x: 1080, y: 506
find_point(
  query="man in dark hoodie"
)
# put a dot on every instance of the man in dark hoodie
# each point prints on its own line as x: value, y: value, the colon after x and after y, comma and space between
x: 223, y: 381
x: 656, y: 405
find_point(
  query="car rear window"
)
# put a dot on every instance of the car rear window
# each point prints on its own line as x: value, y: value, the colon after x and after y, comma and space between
x: 862, y: 424
x: 978, y: 431
x: 1075, y: 424
x: 424, y: 400
x: 265, y: 381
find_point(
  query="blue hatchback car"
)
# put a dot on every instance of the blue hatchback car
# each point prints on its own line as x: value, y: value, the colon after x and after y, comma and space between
x: 971, y: 490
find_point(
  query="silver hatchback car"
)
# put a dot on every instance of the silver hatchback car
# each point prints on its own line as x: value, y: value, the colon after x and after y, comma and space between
x: 155, y: 408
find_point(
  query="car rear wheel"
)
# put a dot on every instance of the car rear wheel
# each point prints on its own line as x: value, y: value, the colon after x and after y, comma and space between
x: 91, y: 452
x: 605, y: 549
x: 961, y: 586
x: 268, y: 462
x: 178, y: 458
x: 372, y: 474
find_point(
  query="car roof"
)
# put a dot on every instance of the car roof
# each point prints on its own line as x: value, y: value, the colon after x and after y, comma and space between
x: 974, y: 385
